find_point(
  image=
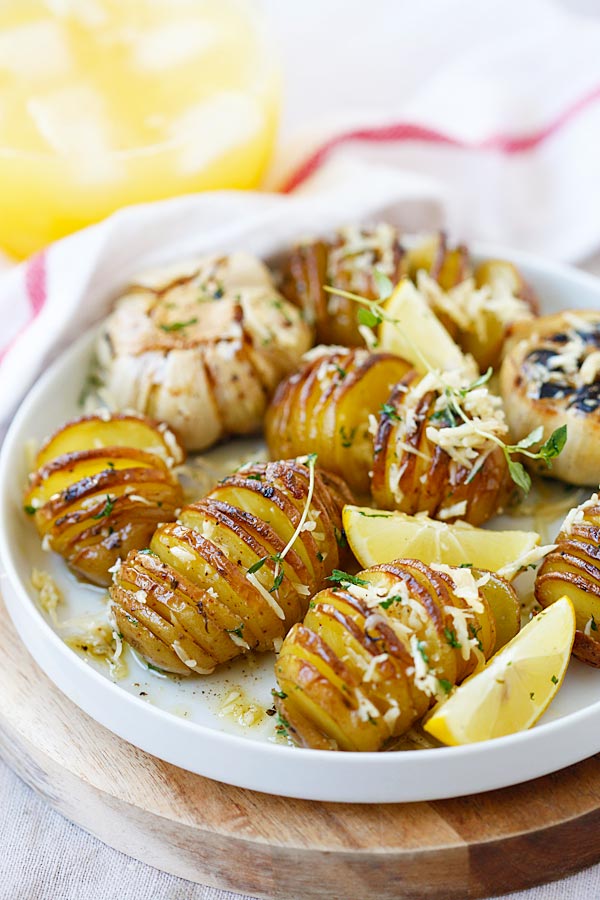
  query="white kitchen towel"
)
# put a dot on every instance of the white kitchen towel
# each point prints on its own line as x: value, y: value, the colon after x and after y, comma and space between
x: 482, y: 117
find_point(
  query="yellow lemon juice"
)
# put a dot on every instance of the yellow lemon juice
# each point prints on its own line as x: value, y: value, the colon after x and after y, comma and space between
x: 104, y: 103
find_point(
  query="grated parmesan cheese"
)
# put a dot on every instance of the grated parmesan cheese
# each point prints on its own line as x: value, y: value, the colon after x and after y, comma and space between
x: 465, y: 585
x: 366, y: 709
x: 577, y: 514
x: 49, y: 594
x: 371, y: 673
x: 187, y: 660
x: 455, y: 511
x: 269, y: 598
x: 425, y: 677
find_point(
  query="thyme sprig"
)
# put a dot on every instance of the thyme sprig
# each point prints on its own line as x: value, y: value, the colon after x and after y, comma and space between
x: 278, y: 558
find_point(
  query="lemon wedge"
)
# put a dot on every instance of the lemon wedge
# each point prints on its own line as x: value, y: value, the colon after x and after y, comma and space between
x: 416, y: 334
x: 376, y: 536
x: 515, y: 687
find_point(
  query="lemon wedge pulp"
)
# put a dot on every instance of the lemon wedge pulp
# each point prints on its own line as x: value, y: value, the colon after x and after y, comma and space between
x: 416, y: 333
x: 515, y: 687
x: 376, y: 536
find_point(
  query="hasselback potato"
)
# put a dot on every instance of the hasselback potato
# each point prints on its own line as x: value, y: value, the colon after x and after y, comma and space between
x: 325, y: 408
x: 346, y: 262
x: 235, y: 571
x: 447, y: 265
x: 201, y: 346
x: 431, y: 453
x: 100, y: 487
x: 375, y: 651
x: 573, y: 569
x: 550, y: 376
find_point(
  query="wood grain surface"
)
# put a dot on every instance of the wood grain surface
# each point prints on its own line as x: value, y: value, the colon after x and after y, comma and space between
x: 275, y: 847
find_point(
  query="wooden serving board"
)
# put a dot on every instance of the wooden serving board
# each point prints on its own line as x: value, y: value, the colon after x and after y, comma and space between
x: 279, y: 848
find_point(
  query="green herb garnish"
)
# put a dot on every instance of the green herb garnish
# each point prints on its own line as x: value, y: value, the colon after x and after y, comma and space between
x: 108, y: 508
x: 178, y: 326
x: 343, y: 578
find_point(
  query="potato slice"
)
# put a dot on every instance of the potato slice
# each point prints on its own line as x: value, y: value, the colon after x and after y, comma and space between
x: 326, y: 407
x: 116, y: 430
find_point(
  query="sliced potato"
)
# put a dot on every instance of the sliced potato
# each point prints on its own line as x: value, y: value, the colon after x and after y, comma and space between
x: 117, y: 430
x: 325, y: 409
x: 374, y: 652
x: 413, y: 474
x: 247, y: 558
x: 573, y: 570
x: 95, y: 502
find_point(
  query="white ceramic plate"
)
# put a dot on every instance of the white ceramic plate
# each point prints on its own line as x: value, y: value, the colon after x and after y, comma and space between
x: 196, y: 723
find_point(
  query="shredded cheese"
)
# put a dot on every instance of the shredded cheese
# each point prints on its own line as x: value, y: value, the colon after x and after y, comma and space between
x: 269, y: 598
x: 49, y: 594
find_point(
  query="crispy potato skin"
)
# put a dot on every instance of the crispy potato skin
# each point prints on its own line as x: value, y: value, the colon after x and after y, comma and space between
x: 325, y: 407
x: 348, y: 674
x: 529, y: 405
x: 573, y: 569
x: 94, y: 505
x: 450, y: 266
x: 428, y: 480
x: 313, y: 265
x: 208, y: 590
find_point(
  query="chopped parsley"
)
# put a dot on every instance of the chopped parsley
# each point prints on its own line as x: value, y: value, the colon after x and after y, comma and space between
x: 343, y: 578
x: 106, y: 511
x: 347, y: 438
x: 554, y: 679
x: 422, y: 648
x: 385, y: 604
x: 30, y: 510
x: 282, y: 727
x: 450, y: 636
x: 281, y: 694
x: 178, y: 326
x: 388, y: 410
x: 239, y: 631
x: 445, y: 685
x: 474, y: 632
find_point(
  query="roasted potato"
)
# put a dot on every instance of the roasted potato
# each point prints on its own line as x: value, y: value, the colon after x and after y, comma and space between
x: 448, y: 266
x: 101, y: 486
x: 346, y: 262
x: 426, y: 459
x: 235, y: 571
x: 475, y: 304
x: 325, y: 408
x: 550, y: 376
x: 374, y: 652
x: 202, y: 347
x: 573, y: 569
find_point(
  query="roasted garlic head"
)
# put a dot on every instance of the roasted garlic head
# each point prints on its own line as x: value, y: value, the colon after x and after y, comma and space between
x: 550, y: 377
x: 201, y: 346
